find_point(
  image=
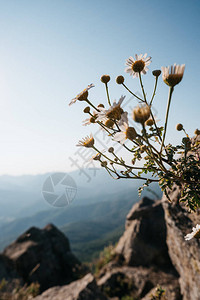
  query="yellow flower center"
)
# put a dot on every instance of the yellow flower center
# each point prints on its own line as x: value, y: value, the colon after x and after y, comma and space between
x: 88, y: 143
x: 138, y: 66
x: 115, y: 113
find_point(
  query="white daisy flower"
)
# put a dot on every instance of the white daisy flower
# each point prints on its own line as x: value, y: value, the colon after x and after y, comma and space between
x: 172, y: 75
x: 194, y: 234
x: 114, y: 112
x: 87, y: 142
x: 83, y: 95
x: 125, y: 133
x: 137, y: 65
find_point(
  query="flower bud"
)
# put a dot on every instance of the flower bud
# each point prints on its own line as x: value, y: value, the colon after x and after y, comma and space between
x: 101, y: 105
x: 179, y: 127
x: 111, y: 150
x: 120, y: 79
x: 92, y: 120
x: 105, y: 78
x: 187, y: 143
x: 156, y: 73
x: 86, y: 110
x: 109, y: 123
x: 131, y: 133
x: 197, y: 132
x: 104, y: 164
x: 149, y: 122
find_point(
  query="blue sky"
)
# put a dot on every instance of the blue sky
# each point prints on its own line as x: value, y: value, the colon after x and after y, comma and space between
x: 51, y: 50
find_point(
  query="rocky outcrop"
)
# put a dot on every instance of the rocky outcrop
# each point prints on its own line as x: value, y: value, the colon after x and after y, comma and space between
x: 83, y: 289
x: 144, y: 240
x: 142, y: 261
x: 43, y: 256
x: 185, y: 255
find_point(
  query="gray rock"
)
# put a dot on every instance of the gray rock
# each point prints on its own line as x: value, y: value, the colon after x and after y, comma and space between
x: 185, y: 255
x: 138, y: 282
x: 83, y: 289
x: 43, y: 256
x: 144, y: 240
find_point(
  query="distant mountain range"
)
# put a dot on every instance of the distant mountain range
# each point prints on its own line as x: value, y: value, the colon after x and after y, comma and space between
x: 95, y: 217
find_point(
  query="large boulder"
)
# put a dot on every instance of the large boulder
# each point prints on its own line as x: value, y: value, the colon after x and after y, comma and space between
x: 185, y: 255
x: 83, y: 289
x: 141, y: 260
x: 43, y: 256
x: 144, y: 240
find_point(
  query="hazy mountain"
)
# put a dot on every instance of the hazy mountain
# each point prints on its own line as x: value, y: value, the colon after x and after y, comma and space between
x: 22, y: 195
x: 92, y: 220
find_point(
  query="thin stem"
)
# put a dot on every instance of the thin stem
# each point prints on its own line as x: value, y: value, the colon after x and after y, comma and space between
x: 153, y: 155
x: 107, y: 94
x: 132, y: 93
x: 142, y: 87
x: 98, y: 122
x: 143, y: 178
x: 185, y: 132
x: 166, y: 117
x: 154, y: 92
x: 117, y: 163
x: 88, y: 101
x: 155, y: 125
x: 109, y: 172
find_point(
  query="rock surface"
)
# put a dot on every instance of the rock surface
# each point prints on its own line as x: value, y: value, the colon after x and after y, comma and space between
x: 185, y: 255
x: 43, y: 256
x: 138, y: 281
x: 142, y: 261
x: 83, y: 289
x: 144, y: 240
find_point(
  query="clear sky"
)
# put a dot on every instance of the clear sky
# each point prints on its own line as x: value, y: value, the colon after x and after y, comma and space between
x: 51, y: 50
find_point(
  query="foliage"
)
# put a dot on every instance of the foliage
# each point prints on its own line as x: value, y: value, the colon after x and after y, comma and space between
x: 159, y: 294
x: 10, y: 290
x: 105, y: 257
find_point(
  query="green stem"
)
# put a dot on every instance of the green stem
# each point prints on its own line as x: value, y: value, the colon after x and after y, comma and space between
x: 166, y: 117
x: 92, y: 105
x: 132, y: 93
x: 154, y: 92
x: 142, y: 87
x: 107, y: 94
x: 150, y: 152
x: 154, y: 121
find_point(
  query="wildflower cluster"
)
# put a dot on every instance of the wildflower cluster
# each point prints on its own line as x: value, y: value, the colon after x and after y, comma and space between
x: 152, y: 160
